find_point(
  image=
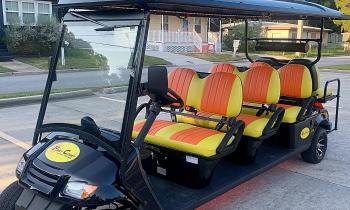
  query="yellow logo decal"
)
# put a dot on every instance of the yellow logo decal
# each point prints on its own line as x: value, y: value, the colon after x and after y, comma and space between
x: 62, y: 152
x: 305, y: 133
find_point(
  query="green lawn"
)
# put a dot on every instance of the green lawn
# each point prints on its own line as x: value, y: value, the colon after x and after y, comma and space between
x: 338, y: 67
x: 63, y: 90
x: 75, y: 59
x: 5, y: 70
x: 312, y: 53
x: 83, y: 60
x: 214, y: 57
x: 152, y: 61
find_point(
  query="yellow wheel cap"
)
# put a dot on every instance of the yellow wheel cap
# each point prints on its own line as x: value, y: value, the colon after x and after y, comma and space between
x: 305, y: 133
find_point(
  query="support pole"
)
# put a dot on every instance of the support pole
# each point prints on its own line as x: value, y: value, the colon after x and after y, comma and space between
x: 246, y: 42
x: 300, y: 33
x: 162, y: 35
x: 320, y: 43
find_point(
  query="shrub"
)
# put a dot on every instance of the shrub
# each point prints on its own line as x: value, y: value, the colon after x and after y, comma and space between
x: 238, y: 33
x: 32, y: 41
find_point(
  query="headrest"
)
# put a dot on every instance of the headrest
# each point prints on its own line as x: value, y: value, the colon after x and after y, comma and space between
x: 223, y: 67
x: 261, y: 85
x: 296, y: 81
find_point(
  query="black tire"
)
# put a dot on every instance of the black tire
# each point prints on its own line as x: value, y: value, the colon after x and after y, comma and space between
x: 318, y: 148
x: 9, y: 196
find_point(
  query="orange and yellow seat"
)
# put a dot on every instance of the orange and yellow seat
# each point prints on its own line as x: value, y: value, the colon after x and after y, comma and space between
x: 296, y: 83
x: 261, y: 85
x: 218, y: 94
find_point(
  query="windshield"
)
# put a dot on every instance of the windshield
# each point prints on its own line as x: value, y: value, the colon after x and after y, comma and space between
x: 93, y: 73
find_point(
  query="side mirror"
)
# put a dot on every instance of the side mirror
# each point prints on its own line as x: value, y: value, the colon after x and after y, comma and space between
x: 157, y: 81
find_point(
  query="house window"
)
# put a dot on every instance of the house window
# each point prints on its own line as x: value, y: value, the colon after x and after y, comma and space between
x: 166, y: 23
x: 28, y: 13
x: 43, y: 12
x: 12, y: 11
x: 294, y: 35
x: 198, y: 25
x: 185, y: 25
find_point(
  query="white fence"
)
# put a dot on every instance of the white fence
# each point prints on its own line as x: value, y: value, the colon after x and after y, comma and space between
x: 172, y: 37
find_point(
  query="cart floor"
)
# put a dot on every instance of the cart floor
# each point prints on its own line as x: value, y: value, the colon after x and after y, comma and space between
x: 227, y: 175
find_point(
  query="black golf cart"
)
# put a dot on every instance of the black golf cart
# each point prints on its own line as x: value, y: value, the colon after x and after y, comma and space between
x: 225, y: 126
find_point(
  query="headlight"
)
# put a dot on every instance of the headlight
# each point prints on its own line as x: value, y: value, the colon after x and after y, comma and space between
x: 20, y: 166
x: 79, y: 190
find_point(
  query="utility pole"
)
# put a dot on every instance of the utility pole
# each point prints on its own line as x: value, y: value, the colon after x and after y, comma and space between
x: 300, y: 33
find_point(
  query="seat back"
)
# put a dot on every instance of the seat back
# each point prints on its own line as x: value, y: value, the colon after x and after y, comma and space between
x: 219, y: 93
x: 261, y: 85
x: 314, y: 72
x: 222, y: 95
x: 180, y: 80
x: 227, y: 68
x: 223, y: 67
x: 296, y: 81
x: 260, y: 64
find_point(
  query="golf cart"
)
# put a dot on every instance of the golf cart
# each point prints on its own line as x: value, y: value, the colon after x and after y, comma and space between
x: 225, y: 126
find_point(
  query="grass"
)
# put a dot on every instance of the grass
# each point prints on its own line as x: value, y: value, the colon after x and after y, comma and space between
x: 326, y: 52
x: 214, y: 57
x: 83, y: 59
x: 53, y: 91
x: 345, y: 67
x: 152, y: 61
x: 5, y: 70
x: 75, y: 59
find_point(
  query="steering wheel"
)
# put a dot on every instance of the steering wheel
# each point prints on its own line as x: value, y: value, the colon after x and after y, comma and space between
x: 172, y: 99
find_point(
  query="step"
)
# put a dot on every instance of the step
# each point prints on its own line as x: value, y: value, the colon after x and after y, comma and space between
x: 4, y: 53
x: 6, y: 58
x: 2, y: 46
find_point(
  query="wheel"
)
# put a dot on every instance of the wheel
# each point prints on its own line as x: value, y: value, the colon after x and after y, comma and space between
x: 9, y: 196
x: 318, y: 148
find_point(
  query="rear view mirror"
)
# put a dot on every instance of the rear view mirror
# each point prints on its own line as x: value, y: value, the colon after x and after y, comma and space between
x: 157, y: 81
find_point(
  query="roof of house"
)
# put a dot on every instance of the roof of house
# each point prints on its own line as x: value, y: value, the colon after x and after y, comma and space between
x: 289, y: 26
x: 274, y: 9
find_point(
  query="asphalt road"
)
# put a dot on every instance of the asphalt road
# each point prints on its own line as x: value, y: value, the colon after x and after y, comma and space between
x: 290, y: 185
x: 79, y: 79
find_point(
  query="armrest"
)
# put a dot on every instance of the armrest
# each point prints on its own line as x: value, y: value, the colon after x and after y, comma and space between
x: 275, y: 121
x: 235, y: 131
x: 306, y: 109
x: 326, y: 97
x: 146, y: 106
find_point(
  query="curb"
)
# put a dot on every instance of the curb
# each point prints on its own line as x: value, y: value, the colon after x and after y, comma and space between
x: 44, y: 72
x: 34, y: 99
x: 335, y: 71
x: 115, y: 90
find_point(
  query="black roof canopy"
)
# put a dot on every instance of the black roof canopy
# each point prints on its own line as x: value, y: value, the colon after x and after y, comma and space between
x: 274, y: 9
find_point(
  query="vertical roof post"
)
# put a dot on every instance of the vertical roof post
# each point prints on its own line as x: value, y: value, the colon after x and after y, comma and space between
x: 246, y: 42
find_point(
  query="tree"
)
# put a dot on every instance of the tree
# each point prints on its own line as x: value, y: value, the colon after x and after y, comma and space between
x: 328, y: 23
x: 343, y: 6
x: 238, y: 33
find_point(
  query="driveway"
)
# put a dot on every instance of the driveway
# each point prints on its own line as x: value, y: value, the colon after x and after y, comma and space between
x: 290, y: 185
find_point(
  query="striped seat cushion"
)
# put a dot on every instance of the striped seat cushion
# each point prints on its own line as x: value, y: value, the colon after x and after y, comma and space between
x: 182, y: 137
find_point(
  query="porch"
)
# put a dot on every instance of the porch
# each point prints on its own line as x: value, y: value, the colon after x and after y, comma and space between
x: 182, y: 42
